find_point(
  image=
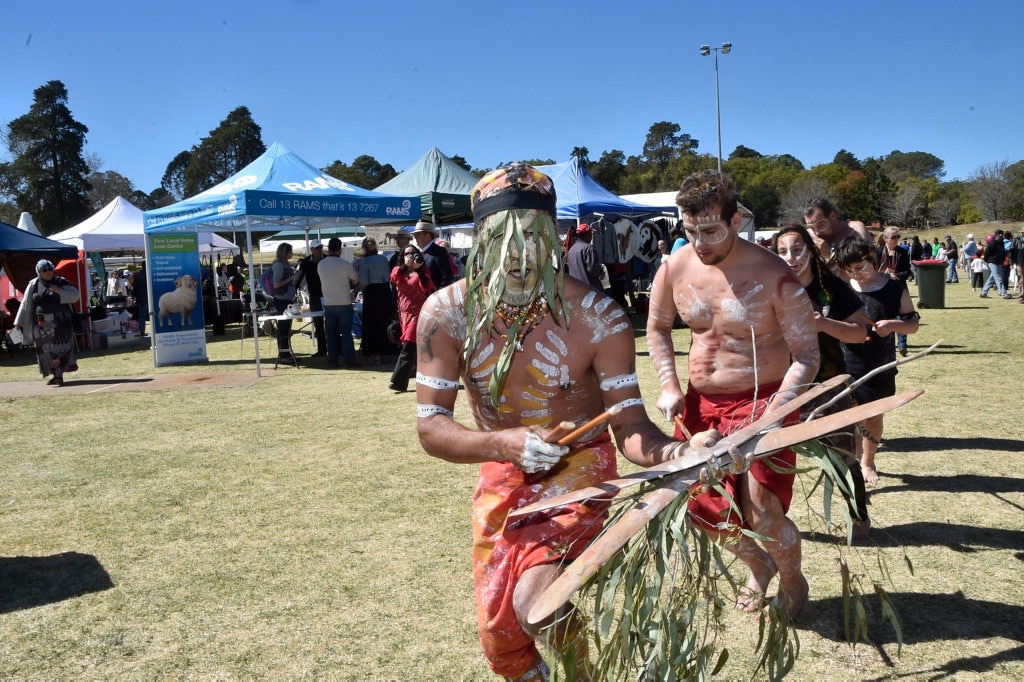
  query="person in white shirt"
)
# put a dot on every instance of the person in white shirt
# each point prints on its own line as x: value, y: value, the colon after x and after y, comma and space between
x: 337, y: 279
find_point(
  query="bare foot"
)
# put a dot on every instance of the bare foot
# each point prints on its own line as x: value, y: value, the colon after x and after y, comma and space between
x: 793, y: 596
x: 752, y: 595
x: 870, y: 473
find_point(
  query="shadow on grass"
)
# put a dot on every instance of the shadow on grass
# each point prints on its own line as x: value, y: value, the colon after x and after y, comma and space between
x: 28, y: 581
x: 929, y: 618
x: 70, y: 381
x: 930, y: 443
x: 957, y: 537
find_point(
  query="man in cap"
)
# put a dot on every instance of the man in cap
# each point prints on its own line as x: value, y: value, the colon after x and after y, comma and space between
x: 308, y: 268
x: 969, y: 251
x: 582, y: 261
x: 435, y: 255
x: 754, y: 345
x: 532, y: 349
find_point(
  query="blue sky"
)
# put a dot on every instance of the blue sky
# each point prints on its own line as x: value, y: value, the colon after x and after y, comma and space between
x: 502, y: 82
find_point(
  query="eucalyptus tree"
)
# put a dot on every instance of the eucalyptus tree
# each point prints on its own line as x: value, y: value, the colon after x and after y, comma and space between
x: 229, y: 148
x: 107, y: 186
x: 365, y: 171
x: 990, y: 189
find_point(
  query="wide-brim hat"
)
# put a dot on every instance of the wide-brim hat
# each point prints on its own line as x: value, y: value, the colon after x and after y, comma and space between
x: 424, y: 226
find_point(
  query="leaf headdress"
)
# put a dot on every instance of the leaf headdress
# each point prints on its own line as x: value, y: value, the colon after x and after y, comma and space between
x: 503, y: 201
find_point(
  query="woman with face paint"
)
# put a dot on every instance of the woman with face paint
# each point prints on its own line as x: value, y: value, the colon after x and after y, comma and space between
x: 838, y: 319
x: 888, y: 307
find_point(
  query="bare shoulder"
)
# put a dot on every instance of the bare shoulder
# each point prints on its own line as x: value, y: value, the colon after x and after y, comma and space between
x: 754, y: 258
x: 445, y: 311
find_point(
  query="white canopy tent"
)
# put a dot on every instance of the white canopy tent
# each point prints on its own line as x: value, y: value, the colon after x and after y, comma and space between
x: 118, y: 226
x: 26, y: 223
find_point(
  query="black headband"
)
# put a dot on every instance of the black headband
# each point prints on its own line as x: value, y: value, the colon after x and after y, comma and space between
x: 507, y: 200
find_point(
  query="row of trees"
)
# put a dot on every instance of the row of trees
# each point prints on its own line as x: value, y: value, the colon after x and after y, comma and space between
x: 51, y: 176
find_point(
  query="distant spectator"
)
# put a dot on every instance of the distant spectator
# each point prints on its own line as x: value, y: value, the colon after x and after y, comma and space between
x: 378, y: 303
x: 436, y: 257
x: 338, y: 277
x: 413, y: 285
x: 582, y: 261
x: 45, y: 318
x: 995, y: 256
x: 952, y: 256
x: 978, y: 270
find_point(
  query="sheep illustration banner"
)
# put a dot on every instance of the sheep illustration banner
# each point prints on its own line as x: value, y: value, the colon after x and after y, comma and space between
x: 178, y: 329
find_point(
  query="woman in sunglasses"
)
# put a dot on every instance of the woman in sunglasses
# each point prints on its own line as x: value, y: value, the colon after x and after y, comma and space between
x: 45, y: 317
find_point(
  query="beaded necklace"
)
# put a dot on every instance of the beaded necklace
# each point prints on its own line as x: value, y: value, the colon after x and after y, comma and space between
x: 521, y: 321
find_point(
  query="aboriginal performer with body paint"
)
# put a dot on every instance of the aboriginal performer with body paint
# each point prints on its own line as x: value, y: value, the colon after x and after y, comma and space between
x: 753, y: 346
x: 534, y: 350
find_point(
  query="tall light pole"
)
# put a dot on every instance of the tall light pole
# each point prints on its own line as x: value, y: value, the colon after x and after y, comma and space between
x: 705, y: 50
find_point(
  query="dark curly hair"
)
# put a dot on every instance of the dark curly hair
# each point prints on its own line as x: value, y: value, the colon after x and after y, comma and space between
x: 707, y: 190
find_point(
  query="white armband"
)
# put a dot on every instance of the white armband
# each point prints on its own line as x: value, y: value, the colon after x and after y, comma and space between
x: 619, y: 382
x: 429, y: 410
x: 435, y: 382
x: 628, y: 402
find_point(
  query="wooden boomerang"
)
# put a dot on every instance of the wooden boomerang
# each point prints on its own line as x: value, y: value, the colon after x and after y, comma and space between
x: 601, y: 550
x: 691, y: 457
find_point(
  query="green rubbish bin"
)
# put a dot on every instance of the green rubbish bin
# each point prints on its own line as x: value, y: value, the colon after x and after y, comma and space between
x: 931, y: 283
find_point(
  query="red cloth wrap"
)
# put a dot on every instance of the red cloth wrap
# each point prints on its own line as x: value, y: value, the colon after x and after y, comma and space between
x: 502, y: 552
x: 726, y: 413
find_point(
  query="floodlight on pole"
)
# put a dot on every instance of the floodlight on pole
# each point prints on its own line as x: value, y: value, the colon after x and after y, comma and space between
x: 706, y: 50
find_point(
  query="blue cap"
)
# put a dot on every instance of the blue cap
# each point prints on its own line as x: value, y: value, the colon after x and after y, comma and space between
x: 43, y: 263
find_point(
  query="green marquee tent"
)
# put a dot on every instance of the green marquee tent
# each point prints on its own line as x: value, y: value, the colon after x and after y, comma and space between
x: 442, y: 185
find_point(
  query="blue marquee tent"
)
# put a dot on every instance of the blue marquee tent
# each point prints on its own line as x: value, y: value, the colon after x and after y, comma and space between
x: 20, y: 250
x: 278, y: 190
x: 580, y: 195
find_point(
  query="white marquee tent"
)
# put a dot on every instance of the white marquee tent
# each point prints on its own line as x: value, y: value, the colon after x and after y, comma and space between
x: 118, y: 226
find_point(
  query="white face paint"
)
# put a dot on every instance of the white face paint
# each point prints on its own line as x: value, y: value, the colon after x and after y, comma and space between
x: 792, y: 249
x: 520, y: 288
x: 862, y: 272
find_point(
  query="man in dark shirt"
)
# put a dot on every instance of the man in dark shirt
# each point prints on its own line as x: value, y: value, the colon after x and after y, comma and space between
x: 995, y: 254
x: 582, y: 262
x: 307, y: 266
x: 435, y: 255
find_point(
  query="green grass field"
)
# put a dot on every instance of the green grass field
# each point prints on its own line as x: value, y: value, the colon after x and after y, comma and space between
x: 294, y: 528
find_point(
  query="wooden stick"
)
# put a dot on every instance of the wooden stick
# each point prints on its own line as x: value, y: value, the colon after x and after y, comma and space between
x: 560, y: 430
x: 682, y: 427
x: 878, y: 370
x: 868, y: 320
x: 573, y: 435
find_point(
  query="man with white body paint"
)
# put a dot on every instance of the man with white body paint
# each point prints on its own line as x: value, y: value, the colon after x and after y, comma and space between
x: 753, y: 345
x: 533, y: 349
